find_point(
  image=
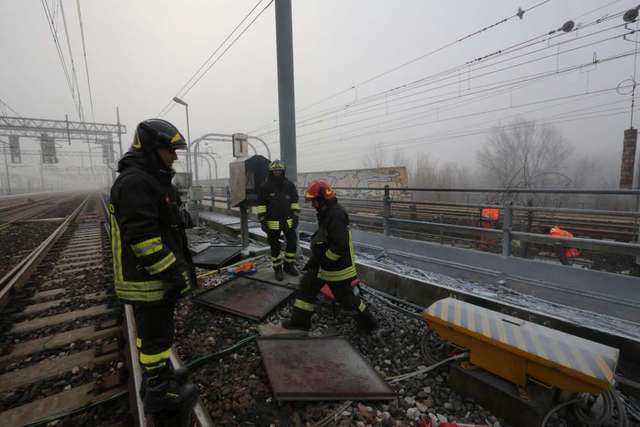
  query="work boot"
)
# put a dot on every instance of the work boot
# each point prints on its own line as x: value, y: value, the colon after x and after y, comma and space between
x: 181, y: 375
x: 290, y: 269
x: 164, y: 393
x: 300, y: 320
x: 365, y: 321
x: 279, y: 273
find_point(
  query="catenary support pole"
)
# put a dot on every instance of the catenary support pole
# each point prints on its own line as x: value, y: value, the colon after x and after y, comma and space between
x: 286, y: 94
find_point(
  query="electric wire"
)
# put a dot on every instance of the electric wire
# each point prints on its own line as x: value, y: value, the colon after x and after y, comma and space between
x: 9, y: 108
x: 179, y: 92
x: 519, y: 13
x: 530, y: 78
x: 73, y: 64
x: 63, y: 63
x: 86, y: 63
x: 528, y: 62
x: 545, y: 37
x: 204, y: 73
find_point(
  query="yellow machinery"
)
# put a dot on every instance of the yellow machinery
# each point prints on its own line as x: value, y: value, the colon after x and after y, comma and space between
x: 516, y: 350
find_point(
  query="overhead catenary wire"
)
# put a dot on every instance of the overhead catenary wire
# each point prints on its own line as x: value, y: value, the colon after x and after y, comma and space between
x: 73, y: 64
x: 389, y: 96
x: 519, y: 14
x: 9, y: 108
x: 389, y: 104
x: 86, y: 62
x: 204, y: 73
x: 61, y: 59
x: 206, y: 61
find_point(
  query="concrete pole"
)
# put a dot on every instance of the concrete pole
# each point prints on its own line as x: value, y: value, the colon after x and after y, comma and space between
x: 119, y: 131
x: 286, y: 93
x: 6, y: 169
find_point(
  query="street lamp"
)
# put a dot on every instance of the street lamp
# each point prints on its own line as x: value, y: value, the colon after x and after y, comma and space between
x: 186, y: 106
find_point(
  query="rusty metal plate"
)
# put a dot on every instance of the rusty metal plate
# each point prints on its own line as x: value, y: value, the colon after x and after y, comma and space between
x: 215, y: 257
x: 245, y: 297
x: 325, y: 368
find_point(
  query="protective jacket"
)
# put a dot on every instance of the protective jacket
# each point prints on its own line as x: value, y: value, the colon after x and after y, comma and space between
x: 148, y: 241
x: 278, y: 203
x: 559, y: 232
x: 332, y: 246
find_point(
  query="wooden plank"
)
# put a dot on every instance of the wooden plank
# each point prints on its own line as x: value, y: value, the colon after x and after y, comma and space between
x: 82, y: 264
x: 59, y: 340
x: 43, y: 306
x: 44, y: 370
x: 32, y: 325
x: 39, y: 296
x: 58, y: 403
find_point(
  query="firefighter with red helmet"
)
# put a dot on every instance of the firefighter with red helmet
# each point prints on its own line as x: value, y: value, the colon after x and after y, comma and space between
x: 332, y: 262
x: 278, y: 209
x: 152, y: 265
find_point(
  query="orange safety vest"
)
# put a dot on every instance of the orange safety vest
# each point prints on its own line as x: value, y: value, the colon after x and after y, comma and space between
x: 490, y: 214
x: 559, y: 232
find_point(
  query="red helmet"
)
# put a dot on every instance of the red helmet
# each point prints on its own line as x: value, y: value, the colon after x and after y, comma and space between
x: 319, y: 189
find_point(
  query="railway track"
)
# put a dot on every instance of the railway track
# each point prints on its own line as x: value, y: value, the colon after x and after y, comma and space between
x: 61, y: 337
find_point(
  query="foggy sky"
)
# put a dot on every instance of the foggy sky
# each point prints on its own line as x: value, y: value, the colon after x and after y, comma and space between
x: 141, y: 52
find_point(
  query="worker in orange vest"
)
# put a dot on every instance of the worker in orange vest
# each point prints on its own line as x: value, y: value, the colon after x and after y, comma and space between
x: 563, y: 252
x: 488, y: 219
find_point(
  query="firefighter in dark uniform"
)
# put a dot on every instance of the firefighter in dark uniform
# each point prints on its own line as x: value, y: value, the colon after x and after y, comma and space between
x: 332, y: 262
x: 278, y: 210
x: 151, y: 262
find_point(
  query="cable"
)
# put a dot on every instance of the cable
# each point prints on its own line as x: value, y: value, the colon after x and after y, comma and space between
x: 204, y: 73
x: 519, y: 14
x: 86, y: 64
x: 73, y: 64
x: 9, y: 107
x: 161, y: 113
x: 63, y: 63
x: 200, y: 361
x: 534, y: 77
x: 413, y: 85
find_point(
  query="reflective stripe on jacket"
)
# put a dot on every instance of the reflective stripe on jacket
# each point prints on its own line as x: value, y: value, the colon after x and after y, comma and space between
x: 332, y: 244
x: 278, y: 203
x: 147, y: 234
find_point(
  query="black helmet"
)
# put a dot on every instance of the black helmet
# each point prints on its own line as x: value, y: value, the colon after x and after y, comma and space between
x: 156, y: 133
x: 276, y: 165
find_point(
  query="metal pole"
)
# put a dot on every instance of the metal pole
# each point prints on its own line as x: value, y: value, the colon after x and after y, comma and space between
x: 286, y: 94
x: 6, y: 169
x: 119, y: 131
x: 189, y: 147
x: 386, y: 211
x: 506, y: 229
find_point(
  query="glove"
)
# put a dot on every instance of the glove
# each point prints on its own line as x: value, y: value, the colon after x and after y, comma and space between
x: 178, y: 279
x: 264, y: 227
x: 295, y: 222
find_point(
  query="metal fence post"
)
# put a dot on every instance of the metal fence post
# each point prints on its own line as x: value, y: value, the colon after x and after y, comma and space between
x: 228, y: 194
x: 213, y: 198
x: 506, y: 228
x: 387, y: 211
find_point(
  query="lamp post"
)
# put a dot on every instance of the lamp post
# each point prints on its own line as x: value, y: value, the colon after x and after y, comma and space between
x: 186, y: 107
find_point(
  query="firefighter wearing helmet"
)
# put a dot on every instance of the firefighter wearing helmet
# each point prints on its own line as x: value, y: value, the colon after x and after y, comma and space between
x: 332, y: 262
x: 278, y: 211
x: 151, y: 262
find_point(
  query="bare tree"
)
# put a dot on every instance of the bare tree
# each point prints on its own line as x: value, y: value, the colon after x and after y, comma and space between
x: 525, y: 154
x: 375, y: 158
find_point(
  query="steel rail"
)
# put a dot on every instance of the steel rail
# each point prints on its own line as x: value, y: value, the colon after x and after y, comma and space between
x: 21, y: 273
x: 199, y: 413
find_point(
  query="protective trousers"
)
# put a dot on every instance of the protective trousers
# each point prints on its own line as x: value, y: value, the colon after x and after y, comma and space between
x: 155, y: 334
x: 310, y: 285
x: 277, y: 258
